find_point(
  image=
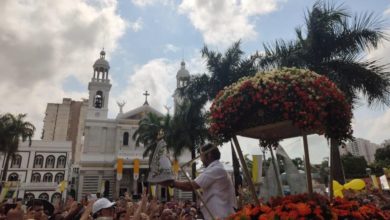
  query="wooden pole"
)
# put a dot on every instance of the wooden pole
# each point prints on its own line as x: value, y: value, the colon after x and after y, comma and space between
x: 245, y: 170
x: 307, y: 165
x: 332, y: 146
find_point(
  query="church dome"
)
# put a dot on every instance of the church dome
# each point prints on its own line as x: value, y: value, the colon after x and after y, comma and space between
x: 101, y: 63
x: 183, y: 73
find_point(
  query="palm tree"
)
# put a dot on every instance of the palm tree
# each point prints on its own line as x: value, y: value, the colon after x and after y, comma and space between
x: 227, y: 68
x: 147, y: 131
x: 12, y: 130
x: 224, y: 69
x: 189, y: 129
x: 334, y: 46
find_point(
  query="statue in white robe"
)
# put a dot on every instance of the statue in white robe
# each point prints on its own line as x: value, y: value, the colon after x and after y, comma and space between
x: 160, y: 166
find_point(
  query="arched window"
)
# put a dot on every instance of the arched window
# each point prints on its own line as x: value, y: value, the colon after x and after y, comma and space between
x: 29, y: 196
x: 47, y: 178
x: 44, y: 196
x: 59, y: 177
x: 50, y: 161
x: 13, y: 177
x: 98, y: 102
x: 56, y: 198
x: 36, y: 178
x: 16, y: 161
x: 61, y: 162
x: 126, y: 139
x: 38, y: 161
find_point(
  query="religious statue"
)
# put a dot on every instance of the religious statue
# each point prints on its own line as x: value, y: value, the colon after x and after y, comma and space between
x: 160, y: 166
x: 120, y: 105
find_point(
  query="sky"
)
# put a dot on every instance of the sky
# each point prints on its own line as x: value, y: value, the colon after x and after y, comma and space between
x: 48, y: 49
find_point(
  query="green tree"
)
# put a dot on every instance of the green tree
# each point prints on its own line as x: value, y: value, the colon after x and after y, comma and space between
x: 13, y: 129
x: 189, y: 129
x: 355, y: 167
x: 382, y: 156
x: 333, y: 45
x: 223, y: 70
x: 147, y: 131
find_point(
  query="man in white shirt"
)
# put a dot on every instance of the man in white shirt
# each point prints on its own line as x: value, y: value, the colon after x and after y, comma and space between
x: 218, y: 190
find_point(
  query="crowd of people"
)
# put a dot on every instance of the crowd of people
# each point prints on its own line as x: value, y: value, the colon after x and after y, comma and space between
x: 101, y: 209
x: 218, y: 198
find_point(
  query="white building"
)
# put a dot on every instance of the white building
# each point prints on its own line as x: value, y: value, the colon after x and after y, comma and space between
x: 361, y: 147
x: 39, y: 169
x: 106, y: 140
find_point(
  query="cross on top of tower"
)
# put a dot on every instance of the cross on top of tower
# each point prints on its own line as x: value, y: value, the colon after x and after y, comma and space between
x: 146, y: 94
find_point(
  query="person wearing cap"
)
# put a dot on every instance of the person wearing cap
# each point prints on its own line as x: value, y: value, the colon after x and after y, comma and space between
x: 103, y: 209
x: 218, y: 190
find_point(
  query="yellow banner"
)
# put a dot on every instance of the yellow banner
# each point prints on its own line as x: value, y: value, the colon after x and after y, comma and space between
x: 136, y: 168
x: 170, y: 191
x: 153, y: 190
x: 257, y: 168
x: 119, y: 168
x: 175, y: 167
x: 375, y: 181
x: 4, y: 190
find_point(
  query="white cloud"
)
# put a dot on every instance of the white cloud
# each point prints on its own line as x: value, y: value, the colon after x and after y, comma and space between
x: 144, y: 3
x: 44, y: 42
x: 158, y: 77
x: 170, y: 48
x: 224, y: 21
x: 258, y: 7
x: 136, y: 25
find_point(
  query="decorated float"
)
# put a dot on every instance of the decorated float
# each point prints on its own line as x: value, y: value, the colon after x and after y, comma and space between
x: 276, y: 105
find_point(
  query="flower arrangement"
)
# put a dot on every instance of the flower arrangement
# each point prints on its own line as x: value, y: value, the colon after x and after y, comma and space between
x: 303, y: 206
x: 311, y: 101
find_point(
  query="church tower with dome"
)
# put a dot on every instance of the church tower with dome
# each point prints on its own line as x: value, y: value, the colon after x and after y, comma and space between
x: 182, y: 80
x: 99, y: 89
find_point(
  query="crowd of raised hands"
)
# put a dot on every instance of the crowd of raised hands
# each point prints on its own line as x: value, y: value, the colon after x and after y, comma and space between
x: 125, y: 208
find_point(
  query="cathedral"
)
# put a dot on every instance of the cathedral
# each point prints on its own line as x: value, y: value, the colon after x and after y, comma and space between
x: 101, y: 144
x: 106, y: 140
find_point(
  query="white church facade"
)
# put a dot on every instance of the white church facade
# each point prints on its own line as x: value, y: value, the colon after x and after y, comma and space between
x: 106, y: 140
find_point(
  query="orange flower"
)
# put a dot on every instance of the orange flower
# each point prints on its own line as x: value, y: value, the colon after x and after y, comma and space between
x: 317, y: 211
x: 263, y: 217
x: 293, y: 214
x: 303, y: 209
x: 265, y: 209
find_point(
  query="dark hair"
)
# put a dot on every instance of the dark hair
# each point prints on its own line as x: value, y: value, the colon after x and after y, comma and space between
x: 215, y: 154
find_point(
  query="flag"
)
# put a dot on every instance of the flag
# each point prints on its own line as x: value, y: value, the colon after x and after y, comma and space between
x: 170, y: 191
x: 119, y: 169
x: 257, y: 168
x: 375, y: 181
x: 4, y: 191
x: 61, y: 187
x: 384, y: 183
x: 175, y: 167
x: 153, y: 190
x: 136, y: 169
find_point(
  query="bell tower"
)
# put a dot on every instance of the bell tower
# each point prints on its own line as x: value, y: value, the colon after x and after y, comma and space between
x: 99, y: 89
x: 182, y: 80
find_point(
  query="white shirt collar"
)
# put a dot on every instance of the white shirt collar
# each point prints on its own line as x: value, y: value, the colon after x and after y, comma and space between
x: 215, y: 162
